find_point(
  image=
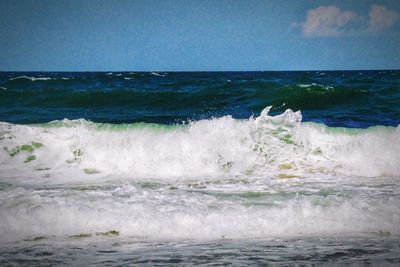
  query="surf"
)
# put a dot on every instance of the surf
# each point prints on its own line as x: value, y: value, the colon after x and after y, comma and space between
x: 213, y: 179
x: 280, y: 146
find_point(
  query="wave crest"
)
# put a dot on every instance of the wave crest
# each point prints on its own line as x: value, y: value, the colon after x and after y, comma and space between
x: 267, y: 146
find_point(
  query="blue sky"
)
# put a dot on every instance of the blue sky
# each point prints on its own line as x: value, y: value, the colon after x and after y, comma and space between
x: 44, y: 35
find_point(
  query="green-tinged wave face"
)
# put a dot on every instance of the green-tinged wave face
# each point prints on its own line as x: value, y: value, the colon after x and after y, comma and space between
x: 110, y: 126
x: 278, y: 146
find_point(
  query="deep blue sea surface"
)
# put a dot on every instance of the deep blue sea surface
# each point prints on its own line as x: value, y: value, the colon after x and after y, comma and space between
x: 336, y: 98
x: 200, y: 168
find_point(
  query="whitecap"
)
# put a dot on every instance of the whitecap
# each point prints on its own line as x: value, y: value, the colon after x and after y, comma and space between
x: 31, y: 78
x: 157, y: 74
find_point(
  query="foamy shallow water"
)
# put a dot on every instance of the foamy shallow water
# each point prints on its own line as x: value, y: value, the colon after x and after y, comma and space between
x: 266, y: 189
x: 331, y: 251
x: 202, y: 210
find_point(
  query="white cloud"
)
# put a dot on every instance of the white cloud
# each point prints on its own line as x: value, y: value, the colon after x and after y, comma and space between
x: 326, y: 21
x: 380, y: 18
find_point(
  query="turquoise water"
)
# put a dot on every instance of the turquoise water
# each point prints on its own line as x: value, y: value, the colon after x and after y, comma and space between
x: 185, y: 169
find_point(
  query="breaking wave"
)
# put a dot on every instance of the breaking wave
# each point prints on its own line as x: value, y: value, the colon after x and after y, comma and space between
x: 270, y: 176
x: 268, y: 146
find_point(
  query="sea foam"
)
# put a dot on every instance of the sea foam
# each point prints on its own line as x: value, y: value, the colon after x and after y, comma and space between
x: 270, y: 176
x: 30, y: 78
x: 267, y: 146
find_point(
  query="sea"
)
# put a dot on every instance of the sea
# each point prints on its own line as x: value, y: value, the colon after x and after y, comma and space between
x: 200, y: 168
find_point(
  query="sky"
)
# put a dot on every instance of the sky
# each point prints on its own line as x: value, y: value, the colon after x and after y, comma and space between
x: 183, y: 35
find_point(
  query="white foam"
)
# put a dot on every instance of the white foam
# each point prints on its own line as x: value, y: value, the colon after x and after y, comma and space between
x: 268, y: 146
x: 218, y: 178
x: 167, y: 214
x: 308, y: 85
x: 157, y: 74
x: 31, y: 78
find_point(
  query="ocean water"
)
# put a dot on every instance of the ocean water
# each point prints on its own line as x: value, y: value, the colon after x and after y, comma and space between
x: 200, y: 168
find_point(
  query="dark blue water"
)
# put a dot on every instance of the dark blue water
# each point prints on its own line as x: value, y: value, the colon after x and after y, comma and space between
x: 335, y: 98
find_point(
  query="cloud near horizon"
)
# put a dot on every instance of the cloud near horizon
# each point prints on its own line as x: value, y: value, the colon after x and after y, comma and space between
x: 380, y: 18
x: 331, y: 21
x: 325, y: 21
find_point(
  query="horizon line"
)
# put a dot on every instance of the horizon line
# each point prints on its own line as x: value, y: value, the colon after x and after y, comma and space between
x: 305, y: 70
